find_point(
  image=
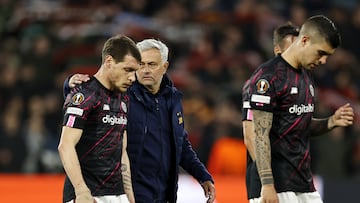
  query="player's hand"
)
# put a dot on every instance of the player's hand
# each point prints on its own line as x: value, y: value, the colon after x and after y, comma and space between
x: 209, y: 190
x: 78, y: 79
x: 83, y: 194
x: 131, y: 198
x: 85, y: 197
x: 343, y: 116
x: 268, y: 194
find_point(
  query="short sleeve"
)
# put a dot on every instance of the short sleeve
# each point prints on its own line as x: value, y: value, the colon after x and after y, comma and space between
x: 77, y: 107
x: 262, y: 91
x: 246, y: 113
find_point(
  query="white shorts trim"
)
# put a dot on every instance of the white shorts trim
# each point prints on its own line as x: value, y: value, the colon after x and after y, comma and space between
x: 109, y: 199
x: 295, y: 197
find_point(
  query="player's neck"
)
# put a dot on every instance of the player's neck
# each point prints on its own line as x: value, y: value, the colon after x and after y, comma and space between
x: 290, y: 57
x: 101, y: 76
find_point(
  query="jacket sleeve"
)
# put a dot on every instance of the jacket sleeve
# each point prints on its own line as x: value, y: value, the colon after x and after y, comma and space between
x: 66, y: 87
x: 191, y: 163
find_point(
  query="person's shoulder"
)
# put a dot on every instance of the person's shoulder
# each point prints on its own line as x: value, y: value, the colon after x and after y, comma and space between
x: 168, y: 83
x: 273, y: 62
x: 89, y: 85
x: 135, y: 91
x: 266, y: 68
x: 83, y: 91
x: 276, y: 65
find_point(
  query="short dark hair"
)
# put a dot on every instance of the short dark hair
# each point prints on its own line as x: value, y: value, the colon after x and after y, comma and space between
x: 118, y: 47
x: 325, y: 28
x: 284, y: 30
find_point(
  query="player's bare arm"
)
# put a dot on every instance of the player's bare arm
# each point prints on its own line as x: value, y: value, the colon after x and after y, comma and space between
x: 126, y: 172
x: 343, y: 116
x: 69, y: 138
x: 262, y: 122
x: 249, y: 138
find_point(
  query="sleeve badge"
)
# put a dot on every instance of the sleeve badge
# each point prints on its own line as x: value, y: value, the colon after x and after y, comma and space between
x: 262, y: 86
x: 78, y: 98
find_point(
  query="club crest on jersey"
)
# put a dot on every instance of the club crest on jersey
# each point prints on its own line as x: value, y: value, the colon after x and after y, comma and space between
x: 123, y: 106
x: 78, y: 98
x: 262, y: 86
x: 312, y: 91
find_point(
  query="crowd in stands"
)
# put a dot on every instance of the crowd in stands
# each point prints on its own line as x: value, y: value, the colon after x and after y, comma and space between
x: 214, y: 47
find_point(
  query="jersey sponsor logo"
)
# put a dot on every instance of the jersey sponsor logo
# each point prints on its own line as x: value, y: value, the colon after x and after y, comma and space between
x: 112, y: 120
x: 75, y: 111
x: 262, y: 86
x: 78, y: 98
x: 300, y: 109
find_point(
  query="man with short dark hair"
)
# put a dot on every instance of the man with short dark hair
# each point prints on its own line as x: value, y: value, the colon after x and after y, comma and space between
x: 282, y: 93
x: 93, y: 140
x: 283, y: 37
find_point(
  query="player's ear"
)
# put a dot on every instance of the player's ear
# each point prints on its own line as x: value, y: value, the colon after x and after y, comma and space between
x: 305, y: 39
x: 166, y: 66
x: 293, y: 38
x: 108, y: 60
x: 277, y: 50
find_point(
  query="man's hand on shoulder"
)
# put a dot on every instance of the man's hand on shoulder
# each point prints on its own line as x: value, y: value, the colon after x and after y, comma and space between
x: 78, y: 79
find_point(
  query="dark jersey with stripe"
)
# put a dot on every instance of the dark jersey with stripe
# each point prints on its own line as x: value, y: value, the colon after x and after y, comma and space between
x: 101, y: 114
x: 246, y: 112
x: 288, y: 93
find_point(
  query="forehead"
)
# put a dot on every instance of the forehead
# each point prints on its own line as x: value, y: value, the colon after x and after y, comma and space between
x: 130, y: 59
x: 150, y: 55
x: 129, y: 62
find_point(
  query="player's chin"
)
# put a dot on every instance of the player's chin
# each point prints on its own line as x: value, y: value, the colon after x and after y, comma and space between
x: 311, y: 66
x: 123, y: 88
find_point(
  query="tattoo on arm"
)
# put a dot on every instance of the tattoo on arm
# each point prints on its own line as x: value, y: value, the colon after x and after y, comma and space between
x: 262, y: 124
x: 126, y: 177
x: 126, y: 171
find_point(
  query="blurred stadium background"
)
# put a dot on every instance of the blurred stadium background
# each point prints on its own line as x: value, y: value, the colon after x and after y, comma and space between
x: 214, y: 46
